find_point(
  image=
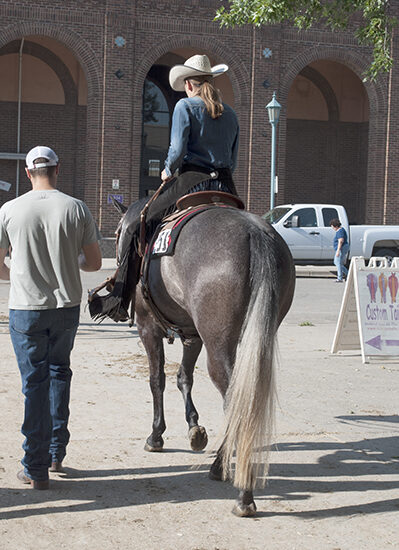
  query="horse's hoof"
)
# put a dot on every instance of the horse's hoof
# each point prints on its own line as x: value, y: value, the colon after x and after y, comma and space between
x: 153, y: 447
x: 198, y: 438
x: 244, y: 510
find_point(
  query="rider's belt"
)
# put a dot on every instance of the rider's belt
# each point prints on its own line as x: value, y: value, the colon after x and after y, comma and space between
x: 223, y: 175
x: 214, y: 173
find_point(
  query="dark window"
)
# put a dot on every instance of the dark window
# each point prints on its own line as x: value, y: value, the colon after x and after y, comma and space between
x: 155, y: 136
x: 306, y: 217
x: 158, y: 103
x: 328, y: 215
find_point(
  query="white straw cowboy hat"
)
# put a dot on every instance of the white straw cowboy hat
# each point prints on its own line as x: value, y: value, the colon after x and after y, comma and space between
x: 197, y: 65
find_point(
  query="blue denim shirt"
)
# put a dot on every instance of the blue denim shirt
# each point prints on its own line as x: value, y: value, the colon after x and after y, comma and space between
x: 196, y: 138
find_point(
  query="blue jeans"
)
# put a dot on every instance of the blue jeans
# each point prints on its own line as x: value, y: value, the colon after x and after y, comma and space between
x: 339, y: 262
x: 43, y: 340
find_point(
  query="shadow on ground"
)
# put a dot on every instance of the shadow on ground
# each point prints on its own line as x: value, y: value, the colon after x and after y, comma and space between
x: 347, y: 467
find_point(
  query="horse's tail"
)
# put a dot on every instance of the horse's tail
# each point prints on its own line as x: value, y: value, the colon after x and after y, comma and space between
x: 250, y: 396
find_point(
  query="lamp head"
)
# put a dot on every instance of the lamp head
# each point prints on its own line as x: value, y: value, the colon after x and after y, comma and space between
x: 273, y: 110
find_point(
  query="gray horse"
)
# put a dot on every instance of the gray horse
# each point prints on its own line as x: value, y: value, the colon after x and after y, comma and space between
x: 228, y: 286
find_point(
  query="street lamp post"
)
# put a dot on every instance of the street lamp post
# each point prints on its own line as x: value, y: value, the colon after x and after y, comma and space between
x: 273, y: 109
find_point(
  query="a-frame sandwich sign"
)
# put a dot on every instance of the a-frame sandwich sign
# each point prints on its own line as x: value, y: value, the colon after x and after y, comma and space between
x: 369, y: 315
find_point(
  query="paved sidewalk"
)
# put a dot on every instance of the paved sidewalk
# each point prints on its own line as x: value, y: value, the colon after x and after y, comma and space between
x: 334, y: 477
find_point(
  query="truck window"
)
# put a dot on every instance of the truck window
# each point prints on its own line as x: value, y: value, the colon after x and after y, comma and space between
x: 306, y: 216
x: 328, y: 215
x: 276, y: 214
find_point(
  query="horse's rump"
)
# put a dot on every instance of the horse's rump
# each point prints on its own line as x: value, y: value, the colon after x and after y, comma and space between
x: 212, y: 256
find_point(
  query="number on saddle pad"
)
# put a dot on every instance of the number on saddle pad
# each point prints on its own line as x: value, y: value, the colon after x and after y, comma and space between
x: 162, y: 242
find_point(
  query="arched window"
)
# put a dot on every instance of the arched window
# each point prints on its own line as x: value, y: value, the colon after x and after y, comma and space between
x: 155, y: 136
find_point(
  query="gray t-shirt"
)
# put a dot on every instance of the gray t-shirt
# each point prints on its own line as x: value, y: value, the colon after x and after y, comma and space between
x: 46, y: 231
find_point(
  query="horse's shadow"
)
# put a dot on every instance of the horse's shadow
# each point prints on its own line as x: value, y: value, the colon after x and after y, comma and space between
x: 351, y: 466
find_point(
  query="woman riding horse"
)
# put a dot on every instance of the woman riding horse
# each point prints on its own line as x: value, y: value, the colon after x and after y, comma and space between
x: 204, y: 141
x: 204, y: 135
x: 227, y: 286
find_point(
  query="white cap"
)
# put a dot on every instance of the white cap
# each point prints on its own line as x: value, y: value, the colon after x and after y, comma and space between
x: 41, y: 152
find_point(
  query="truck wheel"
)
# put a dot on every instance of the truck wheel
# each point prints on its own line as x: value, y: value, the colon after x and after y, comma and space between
x: 388, y: 253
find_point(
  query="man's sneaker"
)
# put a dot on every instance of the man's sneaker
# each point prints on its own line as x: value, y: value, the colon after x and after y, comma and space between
x: 339, y: 281
x: 35, y: 484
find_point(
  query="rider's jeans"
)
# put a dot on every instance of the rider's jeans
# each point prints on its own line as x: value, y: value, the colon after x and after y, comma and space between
x: 43, y: 340
x: 339, y: 262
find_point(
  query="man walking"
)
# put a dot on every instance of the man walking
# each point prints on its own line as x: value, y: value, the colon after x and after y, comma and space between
x: 50, y: 236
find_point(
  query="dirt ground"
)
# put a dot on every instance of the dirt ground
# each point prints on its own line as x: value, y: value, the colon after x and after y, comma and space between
x: 334, y: 476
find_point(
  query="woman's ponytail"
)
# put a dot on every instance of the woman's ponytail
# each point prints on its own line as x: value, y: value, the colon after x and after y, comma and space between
x: 209, y: 95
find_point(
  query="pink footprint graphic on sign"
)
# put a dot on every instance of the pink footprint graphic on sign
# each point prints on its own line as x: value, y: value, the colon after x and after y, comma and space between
x: 372, y: 284
x: 382, y: 283
x: 393, y: 286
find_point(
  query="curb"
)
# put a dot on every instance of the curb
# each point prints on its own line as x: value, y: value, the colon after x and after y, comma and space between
x: 322, y: 271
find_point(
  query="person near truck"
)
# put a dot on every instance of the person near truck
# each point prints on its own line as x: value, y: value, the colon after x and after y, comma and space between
x: 50, y: 236
x: 341, y: 247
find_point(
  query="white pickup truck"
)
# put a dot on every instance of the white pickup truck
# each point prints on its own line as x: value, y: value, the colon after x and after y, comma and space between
x: 306, y: 230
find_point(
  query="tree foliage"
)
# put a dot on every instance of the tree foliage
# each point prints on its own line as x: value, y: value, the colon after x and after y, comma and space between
x: 374, y: 27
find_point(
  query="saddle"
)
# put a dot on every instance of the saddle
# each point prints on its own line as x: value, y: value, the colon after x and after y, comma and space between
x: 164, y: 238
x: 209, y: 197
x: 164, y: 241
x: 135, y: 266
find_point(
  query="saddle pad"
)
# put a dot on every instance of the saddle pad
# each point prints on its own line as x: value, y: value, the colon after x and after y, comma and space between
x: 164, y: 240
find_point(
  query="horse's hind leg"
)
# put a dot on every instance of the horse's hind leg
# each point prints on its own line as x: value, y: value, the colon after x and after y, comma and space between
x: 220, y: 370
x: 245, y: 504
x: 216, y: 470
x: 197, y: 434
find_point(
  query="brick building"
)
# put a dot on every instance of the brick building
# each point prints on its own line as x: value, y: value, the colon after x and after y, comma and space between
x: 90, y: 79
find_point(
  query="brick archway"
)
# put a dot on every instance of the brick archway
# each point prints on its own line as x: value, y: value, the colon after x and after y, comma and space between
x: 326, y: 90
x: 92, y: 68
x: 53, y: 61
x: 355, y: 61
x: 238, y: 73
x: 376, y: 92
x: 239, y: 78
x: 73, y: 41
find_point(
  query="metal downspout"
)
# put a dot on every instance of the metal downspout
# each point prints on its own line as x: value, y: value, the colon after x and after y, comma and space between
x: 19, y: 114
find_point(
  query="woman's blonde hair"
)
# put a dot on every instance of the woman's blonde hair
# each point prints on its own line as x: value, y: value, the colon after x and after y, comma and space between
x: 209, y: 95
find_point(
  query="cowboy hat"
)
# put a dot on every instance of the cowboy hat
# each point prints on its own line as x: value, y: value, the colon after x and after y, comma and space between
x: 197, y: 65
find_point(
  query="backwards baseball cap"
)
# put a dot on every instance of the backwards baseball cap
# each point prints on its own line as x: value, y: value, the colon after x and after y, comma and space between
x: 41, y: 152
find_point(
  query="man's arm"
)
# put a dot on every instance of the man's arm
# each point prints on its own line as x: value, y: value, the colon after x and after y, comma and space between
x: 4, y: 269
x: 90, y: 257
